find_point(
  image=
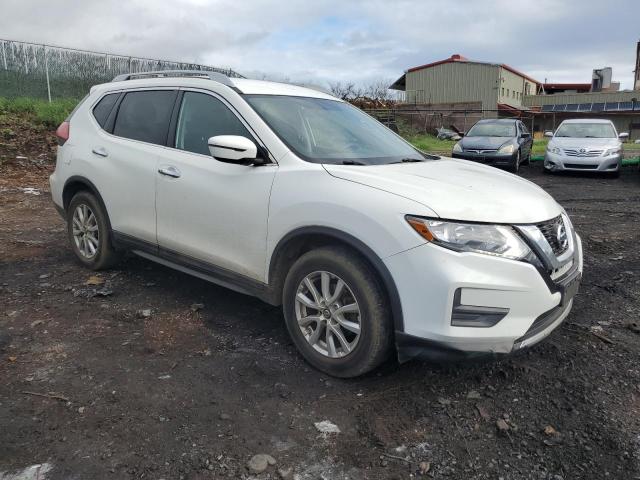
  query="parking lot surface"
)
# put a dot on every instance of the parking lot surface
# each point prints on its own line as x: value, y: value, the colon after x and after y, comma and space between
x: 143, y: 372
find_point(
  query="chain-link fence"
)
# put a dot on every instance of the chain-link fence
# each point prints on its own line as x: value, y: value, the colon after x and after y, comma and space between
x: 430, y: 119
x: 48, y: 72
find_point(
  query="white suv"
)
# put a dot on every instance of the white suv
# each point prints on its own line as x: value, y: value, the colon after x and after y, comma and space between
x: 300, y: 199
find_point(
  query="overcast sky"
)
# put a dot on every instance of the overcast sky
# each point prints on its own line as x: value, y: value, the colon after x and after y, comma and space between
x: 319, y: 41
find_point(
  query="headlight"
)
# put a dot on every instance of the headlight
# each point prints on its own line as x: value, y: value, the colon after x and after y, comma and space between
x: 498, y: 240
x: 612, y: 151
x: 457, y: 148
x: 555, y: 150
x: 507, y: 149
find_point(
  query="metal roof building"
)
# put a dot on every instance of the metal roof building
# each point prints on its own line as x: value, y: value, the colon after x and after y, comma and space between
x: 460, y: 80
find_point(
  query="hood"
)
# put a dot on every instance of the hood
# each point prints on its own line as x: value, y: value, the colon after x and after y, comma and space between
x: 588, y: 143
x: 483, y: 143
x: 458, y: 190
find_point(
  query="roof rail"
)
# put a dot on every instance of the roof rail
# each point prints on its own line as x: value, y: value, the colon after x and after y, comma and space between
x: 215, y: 76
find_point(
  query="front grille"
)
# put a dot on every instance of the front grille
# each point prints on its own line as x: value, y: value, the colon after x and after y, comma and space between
x: 481, y: 152
x: 550, y: 231
x: 583, y: 152
x: 579, y: 166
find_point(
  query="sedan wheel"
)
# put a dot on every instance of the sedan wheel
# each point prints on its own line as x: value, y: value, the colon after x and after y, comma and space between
x: 328, y: 314
x: 86, y: 233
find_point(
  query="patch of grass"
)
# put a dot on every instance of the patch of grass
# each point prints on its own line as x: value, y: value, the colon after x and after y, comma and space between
x: 430, y: 143
x: 49, y: 114
x: 54, y: 113
x: 424, y: 141
x: 539, y: 146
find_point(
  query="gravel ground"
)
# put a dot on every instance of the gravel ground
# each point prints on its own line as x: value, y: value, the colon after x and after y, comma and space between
x: 143, y: 372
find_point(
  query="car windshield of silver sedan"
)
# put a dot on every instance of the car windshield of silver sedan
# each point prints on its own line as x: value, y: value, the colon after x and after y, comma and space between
x: 490, y: 129
x: 328, y: 131
x: 586, y: 130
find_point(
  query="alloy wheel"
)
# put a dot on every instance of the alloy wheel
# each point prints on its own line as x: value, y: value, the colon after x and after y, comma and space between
x: 86, y: 234
x: 328, y: 314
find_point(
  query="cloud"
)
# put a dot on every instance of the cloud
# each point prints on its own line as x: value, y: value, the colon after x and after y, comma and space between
x: 331, y: 40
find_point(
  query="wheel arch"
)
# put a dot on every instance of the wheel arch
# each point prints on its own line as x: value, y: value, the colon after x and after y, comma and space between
x: 77, y: 183
x: 304, y: 239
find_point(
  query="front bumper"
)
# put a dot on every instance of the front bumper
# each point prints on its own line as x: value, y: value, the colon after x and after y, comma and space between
x: 492, y: 158
x: 428, y: 277
x: 559, y: 163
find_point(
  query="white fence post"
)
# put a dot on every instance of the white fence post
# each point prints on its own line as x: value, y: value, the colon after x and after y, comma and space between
x: 46, y: 71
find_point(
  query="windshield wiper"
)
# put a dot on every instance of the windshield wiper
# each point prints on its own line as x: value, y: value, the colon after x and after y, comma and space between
x: 352, y: 162
x: 409, y: 160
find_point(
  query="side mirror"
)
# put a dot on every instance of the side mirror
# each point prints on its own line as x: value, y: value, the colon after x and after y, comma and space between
x: 548, y: 133
x: 232, y: 148
x: 623, y: 136
x: 525, y: 135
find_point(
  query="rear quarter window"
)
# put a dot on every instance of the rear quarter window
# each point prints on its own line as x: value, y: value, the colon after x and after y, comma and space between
x: 145, y: 116
x: 102, y: 110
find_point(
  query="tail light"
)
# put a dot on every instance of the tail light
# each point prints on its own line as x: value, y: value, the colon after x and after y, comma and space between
x: 63, y: 132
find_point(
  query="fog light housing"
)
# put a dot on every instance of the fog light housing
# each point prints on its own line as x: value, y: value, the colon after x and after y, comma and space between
x: 474, y: 316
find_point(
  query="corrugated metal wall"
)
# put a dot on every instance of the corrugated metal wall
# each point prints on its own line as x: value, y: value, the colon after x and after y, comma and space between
x: 570, y: 98
x: 624, y: 123
x: 454, y: 82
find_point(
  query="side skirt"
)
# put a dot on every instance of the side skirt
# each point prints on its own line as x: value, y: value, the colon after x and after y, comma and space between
x: 197, y: 268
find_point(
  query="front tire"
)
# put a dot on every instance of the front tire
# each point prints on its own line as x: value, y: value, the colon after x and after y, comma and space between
x: 516, y: 164
x: 89, y: 232
x: 337, y: 312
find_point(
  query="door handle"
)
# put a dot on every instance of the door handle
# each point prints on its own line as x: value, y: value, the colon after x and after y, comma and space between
x: 169, y: 171
x: 100, y: 151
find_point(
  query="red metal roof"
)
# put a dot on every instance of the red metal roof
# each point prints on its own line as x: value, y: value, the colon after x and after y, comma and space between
x: 459, y: 58
x: 503, y: 107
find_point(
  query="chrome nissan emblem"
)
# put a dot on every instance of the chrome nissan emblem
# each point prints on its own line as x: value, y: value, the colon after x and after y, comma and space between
x: 583, y: 150
x: 561, y: 236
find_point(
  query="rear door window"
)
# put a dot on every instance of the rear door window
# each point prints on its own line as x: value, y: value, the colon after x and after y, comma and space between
x: 202, y: 117
x: 145, y: 116
x: 102, y: 110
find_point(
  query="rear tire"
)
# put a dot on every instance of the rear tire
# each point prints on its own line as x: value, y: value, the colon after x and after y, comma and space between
x: 367, y: 339
x: 89, y: 232
x: 527, y: 161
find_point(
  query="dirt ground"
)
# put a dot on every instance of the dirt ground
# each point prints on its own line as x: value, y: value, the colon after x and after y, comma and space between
x: 95, y: 387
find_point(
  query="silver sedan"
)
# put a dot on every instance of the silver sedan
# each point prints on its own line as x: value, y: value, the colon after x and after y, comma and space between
x: 584, y: 145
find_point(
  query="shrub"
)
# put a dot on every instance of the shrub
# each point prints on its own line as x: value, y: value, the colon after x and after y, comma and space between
x: 53, y: 114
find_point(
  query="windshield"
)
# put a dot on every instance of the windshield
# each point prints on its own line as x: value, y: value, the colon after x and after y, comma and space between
x: 328, y: 131
x: 489, y: 129
x: 586, y: 130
